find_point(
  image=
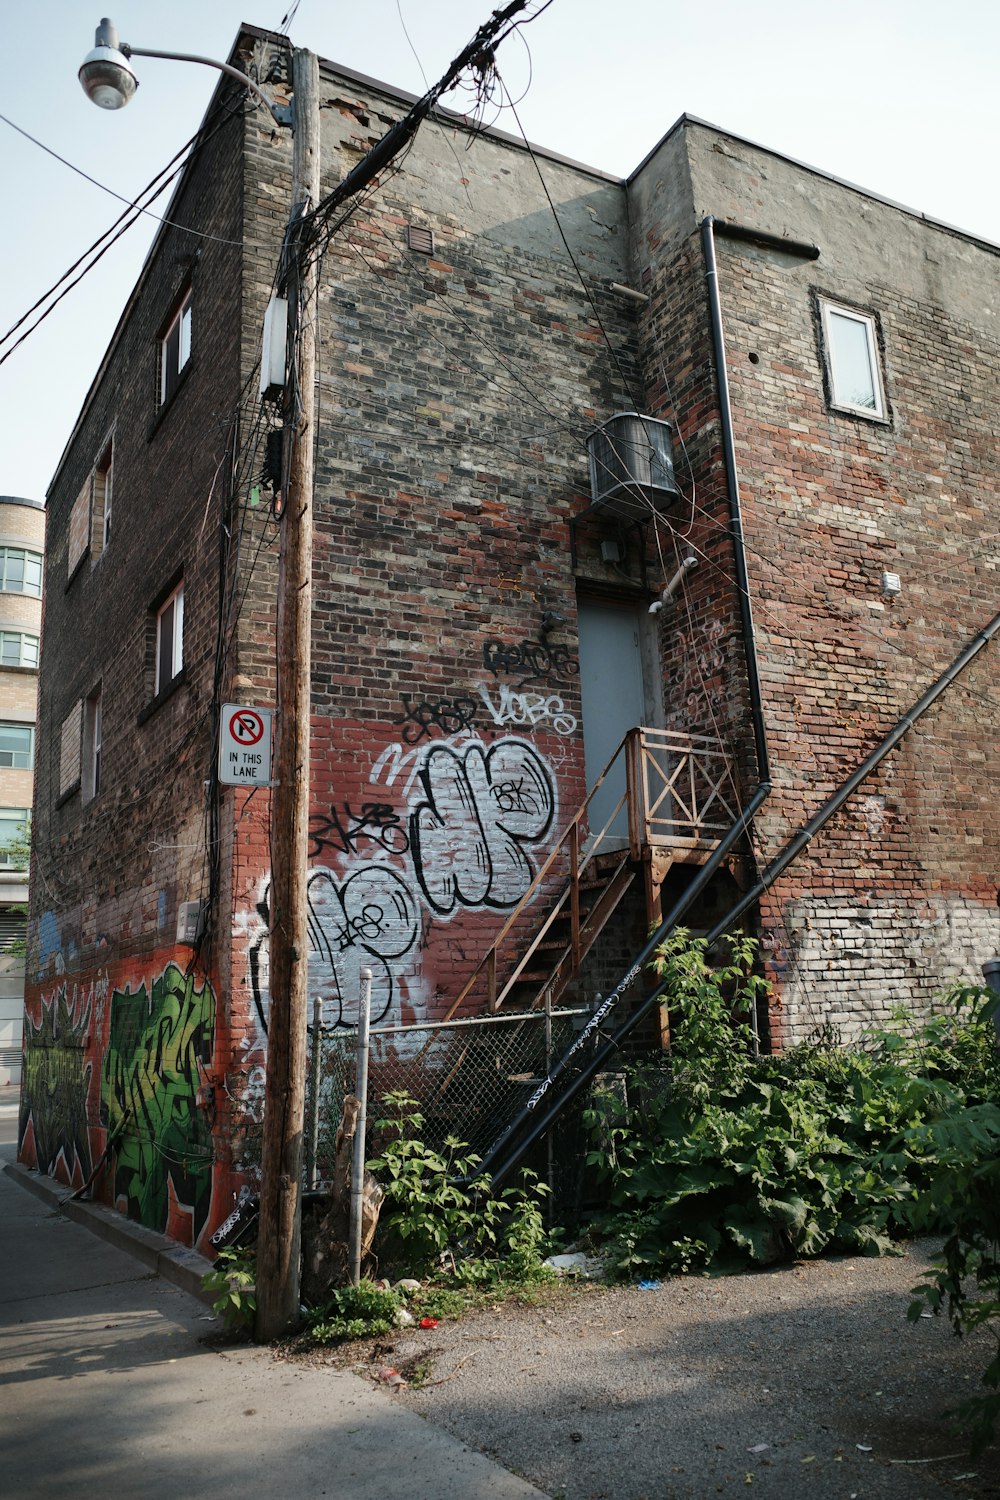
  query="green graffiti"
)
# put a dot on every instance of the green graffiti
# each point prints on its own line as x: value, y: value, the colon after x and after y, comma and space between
x: 55, y: 1086
x: 157, y: 1046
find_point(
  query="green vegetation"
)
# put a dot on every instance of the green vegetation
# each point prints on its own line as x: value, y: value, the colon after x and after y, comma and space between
x: 430, y: 1221
x: 720, y: 1160
x: 354, y: 1312
x: 232, y: 1281
x: 466, y: 1244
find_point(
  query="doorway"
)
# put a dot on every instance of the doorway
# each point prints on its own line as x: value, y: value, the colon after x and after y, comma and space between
x: 614, y: 698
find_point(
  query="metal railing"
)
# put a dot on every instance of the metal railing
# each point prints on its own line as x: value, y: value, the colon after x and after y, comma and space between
x: 679, y: 794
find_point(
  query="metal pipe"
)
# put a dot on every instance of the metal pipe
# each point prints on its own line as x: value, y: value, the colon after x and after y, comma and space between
x: 833, y: 804
x: 361, y: 1092
x: 733, y: 488
x: 801, y: 249
x: 315, y: 1063
x: 790, y: 851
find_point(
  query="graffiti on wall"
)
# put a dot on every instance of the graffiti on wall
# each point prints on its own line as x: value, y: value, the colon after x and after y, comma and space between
x: 699, y: 654
x: 468, y: 831
x: 56, y: 1083
x: 473, y: 811
x: 377, y: 825
x: 530, y: 661
x: 529, y: 707
x: 159, y: 1044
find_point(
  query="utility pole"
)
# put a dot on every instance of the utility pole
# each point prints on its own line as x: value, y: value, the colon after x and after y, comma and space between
x: 279, y: 1236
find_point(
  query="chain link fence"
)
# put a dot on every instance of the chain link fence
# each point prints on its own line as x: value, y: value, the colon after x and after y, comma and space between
x: 469, y: 1080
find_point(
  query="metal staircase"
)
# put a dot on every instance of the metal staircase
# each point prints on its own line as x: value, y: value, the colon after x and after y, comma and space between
x: 677, y: 799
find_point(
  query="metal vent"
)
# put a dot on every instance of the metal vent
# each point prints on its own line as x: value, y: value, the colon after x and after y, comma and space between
x: 419, y: 239
x: 631, y: 467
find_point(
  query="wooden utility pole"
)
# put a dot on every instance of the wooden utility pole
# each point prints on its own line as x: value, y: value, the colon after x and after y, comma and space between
x: 279, y: 1237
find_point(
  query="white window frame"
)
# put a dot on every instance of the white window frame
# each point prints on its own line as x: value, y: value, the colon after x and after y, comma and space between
x: 22, y: 817
x: 829, y: 310
x: 22, y: 636
x: 24, y: 553
x: 103, y: 485
x: 175, y: 348
x: 14, y: 764
x: 169, y: 618
x: 90, y: 780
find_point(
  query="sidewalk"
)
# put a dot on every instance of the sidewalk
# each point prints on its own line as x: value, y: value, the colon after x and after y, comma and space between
x: 105, y: 1385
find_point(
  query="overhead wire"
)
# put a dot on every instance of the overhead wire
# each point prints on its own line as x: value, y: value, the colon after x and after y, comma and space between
x: 122, y: 224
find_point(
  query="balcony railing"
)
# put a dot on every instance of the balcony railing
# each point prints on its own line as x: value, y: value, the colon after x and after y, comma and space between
x: 679, y: 796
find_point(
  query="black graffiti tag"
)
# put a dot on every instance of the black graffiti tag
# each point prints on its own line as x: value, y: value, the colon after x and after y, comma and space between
x: 344, y: 830
x: 479, y: 810
x: 364, y: 922
x: 449, y: 715
x: 531, y: 661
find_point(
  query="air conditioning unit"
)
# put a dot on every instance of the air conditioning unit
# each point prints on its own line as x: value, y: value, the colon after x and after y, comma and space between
x: 631, y: 466
x: 190, y: 922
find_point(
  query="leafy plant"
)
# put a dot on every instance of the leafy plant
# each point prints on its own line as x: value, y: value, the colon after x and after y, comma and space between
x: 232, y: 1280
x: 965, y: 1279
x: 438, y: 1208
x: 719, y: 1158
x: 354, y: 1312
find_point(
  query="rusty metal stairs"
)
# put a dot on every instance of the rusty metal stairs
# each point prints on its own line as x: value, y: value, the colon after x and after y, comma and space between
x: 677, y: 795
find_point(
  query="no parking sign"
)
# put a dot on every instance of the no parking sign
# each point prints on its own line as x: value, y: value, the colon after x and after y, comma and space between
x: 245, y: 746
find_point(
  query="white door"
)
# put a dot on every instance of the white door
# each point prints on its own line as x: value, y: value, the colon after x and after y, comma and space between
x: 613, y: 700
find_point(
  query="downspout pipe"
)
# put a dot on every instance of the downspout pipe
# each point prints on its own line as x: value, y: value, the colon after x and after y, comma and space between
x: 792, y: 849
x: 733, y: 490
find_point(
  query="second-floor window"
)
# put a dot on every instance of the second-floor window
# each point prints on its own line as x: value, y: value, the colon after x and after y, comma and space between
x: 17, y: 746
x: 169, y: 639
x: 175, y: 347
x: 852, y: 361
x: 21, y: 571
x: 18, y: 649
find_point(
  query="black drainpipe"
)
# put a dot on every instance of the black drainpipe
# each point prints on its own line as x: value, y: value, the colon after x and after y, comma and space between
x: 791, y: 850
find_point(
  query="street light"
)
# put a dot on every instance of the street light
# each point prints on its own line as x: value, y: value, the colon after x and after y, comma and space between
x: 108, y: 79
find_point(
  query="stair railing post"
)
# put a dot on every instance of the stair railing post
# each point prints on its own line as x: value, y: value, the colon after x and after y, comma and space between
x: 574, y: 891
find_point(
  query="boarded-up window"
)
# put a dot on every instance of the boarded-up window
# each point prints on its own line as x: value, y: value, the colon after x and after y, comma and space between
x: 69, y: 749
x: 79, y: 527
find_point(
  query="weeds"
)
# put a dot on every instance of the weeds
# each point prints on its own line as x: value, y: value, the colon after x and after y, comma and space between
x: 232, y: 1281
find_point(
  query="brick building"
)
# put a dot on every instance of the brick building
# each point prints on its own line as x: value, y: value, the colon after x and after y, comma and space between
x: 496, y: 605
x: 22, y: 543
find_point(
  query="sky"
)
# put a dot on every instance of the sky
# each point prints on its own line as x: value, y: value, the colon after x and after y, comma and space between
x: 897, y: 96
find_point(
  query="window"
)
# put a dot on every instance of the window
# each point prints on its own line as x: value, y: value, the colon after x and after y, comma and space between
x: 15, y: 825
x: 102, y: 501
x: 69, y: 750
x: 21, y: 571
x: 175, y: 348
x: 17, y: 746
x: 169, y: 639
x: 92, y: 731
x: 90, y: 518
x: 852, y: 362
x: 18, y: 649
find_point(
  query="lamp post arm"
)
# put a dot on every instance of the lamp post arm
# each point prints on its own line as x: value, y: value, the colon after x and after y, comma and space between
x: 278, y: 114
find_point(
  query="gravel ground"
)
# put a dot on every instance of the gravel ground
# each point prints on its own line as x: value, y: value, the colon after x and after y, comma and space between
x: 806, y: 1381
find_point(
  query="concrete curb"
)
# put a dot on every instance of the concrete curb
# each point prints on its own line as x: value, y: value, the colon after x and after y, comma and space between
x: 175, y: 1263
